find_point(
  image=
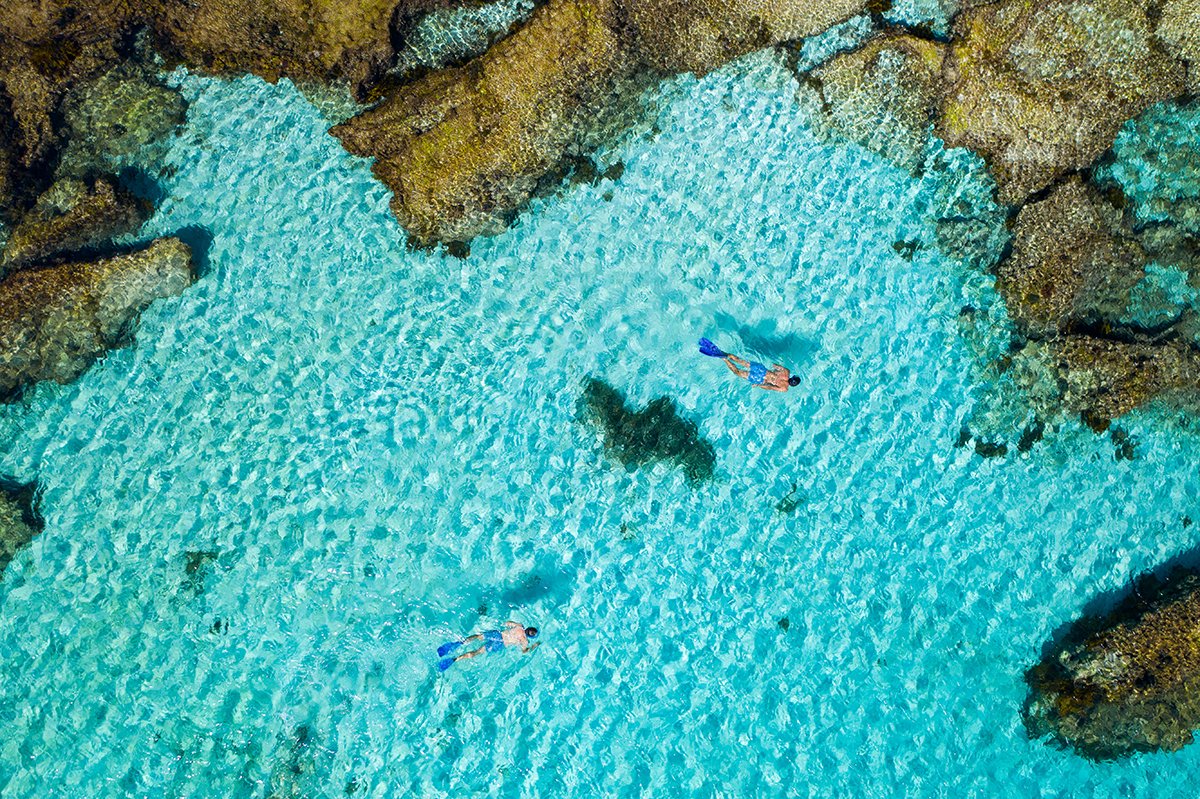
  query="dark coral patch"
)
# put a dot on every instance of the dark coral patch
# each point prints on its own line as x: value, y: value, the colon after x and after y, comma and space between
x: 654, y: 433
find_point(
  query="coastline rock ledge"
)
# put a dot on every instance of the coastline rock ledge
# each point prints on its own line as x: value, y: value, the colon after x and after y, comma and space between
x: 55, y: 321
x: 1126, y: 683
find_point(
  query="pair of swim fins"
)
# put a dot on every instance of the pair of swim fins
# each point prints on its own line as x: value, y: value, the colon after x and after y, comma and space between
x: 444, y: 650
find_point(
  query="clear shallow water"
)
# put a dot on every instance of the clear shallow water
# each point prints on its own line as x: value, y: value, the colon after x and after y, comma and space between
x: 380, y: 449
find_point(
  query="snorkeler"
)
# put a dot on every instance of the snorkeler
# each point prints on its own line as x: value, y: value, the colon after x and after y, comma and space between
x: 777, y: 378
x: 513, y: 634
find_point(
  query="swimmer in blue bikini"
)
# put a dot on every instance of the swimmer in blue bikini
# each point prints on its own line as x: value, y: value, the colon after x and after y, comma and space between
x: 777, y: 378
x: 513, y: 634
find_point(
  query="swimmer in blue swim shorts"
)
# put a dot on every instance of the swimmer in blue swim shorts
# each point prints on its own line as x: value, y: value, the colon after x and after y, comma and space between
x: 777, y: 378
x: 513, y: 634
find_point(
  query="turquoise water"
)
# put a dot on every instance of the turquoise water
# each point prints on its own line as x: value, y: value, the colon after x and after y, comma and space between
x: 378, y: 451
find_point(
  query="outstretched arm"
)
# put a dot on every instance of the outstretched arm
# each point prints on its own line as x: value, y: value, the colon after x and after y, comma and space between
x: 529, y: 649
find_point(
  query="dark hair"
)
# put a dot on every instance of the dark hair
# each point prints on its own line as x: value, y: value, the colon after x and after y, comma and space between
x: 531, y: 632
x: 794, y: 380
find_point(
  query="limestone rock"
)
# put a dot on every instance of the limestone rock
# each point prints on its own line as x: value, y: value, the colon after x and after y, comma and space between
x: 55, y: 321
x: 462, y: 149
x: 124, y: 118
x: 1102, y: 378
x: 19, y: 521
x: 305, y: 40
x: 700, y: 35
x: 883, y: 95
x: 1071, y: 264
x: 1042, y: 89
x: 1129, y: 682
x: 1179, y: 27
x: 72, y: 216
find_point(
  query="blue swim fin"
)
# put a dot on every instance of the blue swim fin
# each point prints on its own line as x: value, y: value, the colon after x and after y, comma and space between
x: 445, y: 664
x: 448, y: 647
x: 710, y: 349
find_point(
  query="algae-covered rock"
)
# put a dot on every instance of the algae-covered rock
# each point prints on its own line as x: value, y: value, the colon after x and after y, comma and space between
x: 55, y: 321
x: 462, y: 149
x: 125, y: 117
x: 19, y: 520
x: 698, y: 36
x: 1040, y: 89
x: 1103, y: 378
x: 40, y: 60
x: 1126, y: 683
x: 1072, y: 263
x: 654, y: 433
x: 69, y: 217
x: 1178, y: 26
x: 1156, y: 163
x: 882, y: 95
x: 305, y: 40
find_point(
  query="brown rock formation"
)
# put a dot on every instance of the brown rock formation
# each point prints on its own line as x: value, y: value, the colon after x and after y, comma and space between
x: 1072, y: 262
x: 883, y: 95
x: 1041, y: 89
x: 19, y: 521
x: 462, y: 149
x: 1126, y: 683
x: 71, y: 216
x: 1070, y: 285
x: 1102, y: 378
x: 48, y: 47
x: 697, y: 36
x: 55, y: 321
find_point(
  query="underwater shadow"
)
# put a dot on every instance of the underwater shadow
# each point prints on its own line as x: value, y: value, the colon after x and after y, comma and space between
x: 200, y: 240
x: 764, y: 339
x: 655, y: 433
x: 549, y: 584
x: 141, y: 184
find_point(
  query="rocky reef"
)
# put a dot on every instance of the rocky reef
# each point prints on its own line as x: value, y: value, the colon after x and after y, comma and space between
x: 653, y: 434
x: 56, y: 320
x: 462, y: 149
x: 19, y: 519
x: 72, y: 217
x: 1128, y: 682
x: 1041, y: 89
x: 882, y: 95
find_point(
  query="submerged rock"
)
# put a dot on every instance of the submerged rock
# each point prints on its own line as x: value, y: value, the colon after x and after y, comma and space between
x: 19, y: 519
x: 1156, y: 163
x: 882, y: 95
x: 1126, y: 683
x: 69, y: 217
x: 1041, y: 90
x: 1073, y: 263
x: 1179, y: 28
x: 1103, y: 378
x: 462, y: 149
x: 55, y: 321
x: 655, y: 433
x: 124, y: 118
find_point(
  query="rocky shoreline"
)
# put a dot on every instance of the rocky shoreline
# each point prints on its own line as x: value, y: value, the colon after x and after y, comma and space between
x: 1126, y: 682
